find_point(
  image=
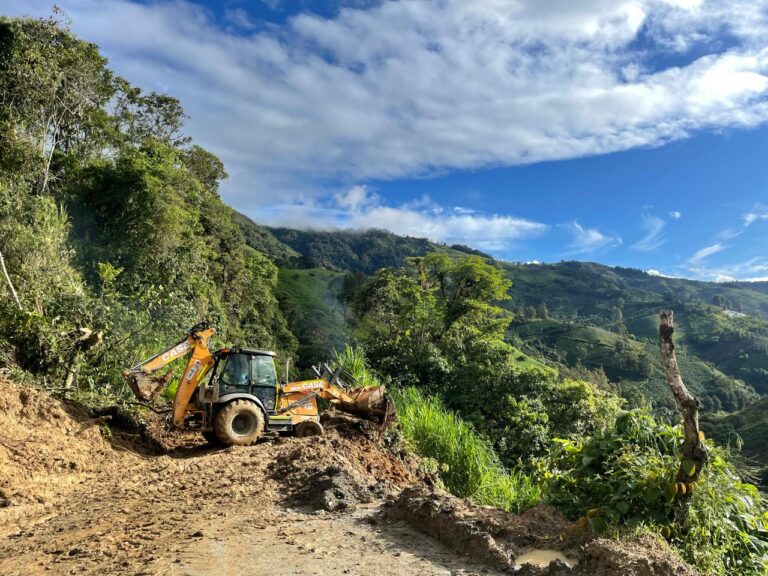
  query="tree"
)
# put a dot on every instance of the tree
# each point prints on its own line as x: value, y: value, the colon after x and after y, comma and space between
x: 53, y: 92
x: 414, y: 319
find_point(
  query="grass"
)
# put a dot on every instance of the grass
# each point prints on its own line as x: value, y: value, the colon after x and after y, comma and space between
x: 310, y: 289
x: 468, y: 465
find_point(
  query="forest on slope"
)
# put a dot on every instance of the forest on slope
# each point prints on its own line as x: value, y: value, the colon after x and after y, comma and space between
x: 112, y: 222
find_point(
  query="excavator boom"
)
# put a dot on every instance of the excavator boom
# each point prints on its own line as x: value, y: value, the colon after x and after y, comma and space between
x: 146, y: 387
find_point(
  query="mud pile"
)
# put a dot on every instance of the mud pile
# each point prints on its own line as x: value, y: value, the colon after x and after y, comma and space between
x: 47, y: 448
x: 346, y: 466
x: 539, y: 542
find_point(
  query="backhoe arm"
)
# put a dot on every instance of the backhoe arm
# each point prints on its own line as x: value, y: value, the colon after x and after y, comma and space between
x: 146, y: 387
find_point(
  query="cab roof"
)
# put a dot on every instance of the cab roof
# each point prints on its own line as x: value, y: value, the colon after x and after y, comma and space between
x: 251, y: 351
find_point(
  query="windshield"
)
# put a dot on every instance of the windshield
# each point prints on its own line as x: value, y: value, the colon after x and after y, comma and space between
x: 264, y: 371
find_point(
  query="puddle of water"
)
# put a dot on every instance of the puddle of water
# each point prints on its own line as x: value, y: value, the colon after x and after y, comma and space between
x: 543, y: 558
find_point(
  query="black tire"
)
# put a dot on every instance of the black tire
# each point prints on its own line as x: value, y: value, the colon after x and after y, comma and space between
x: 239, y: 423
x: 309, y: 428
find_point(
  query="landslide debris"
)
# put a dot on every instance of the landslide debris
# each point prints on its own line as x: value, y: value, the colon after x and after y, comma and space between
x: 344, y: 467
x: 504, y: 540
x: 47, y: 448
x: 140, y: 500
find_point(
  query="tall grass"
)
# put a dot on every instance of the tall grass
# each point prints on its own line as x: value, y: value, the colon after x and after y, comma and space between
x: 353, y: 360
x: 468, y: 465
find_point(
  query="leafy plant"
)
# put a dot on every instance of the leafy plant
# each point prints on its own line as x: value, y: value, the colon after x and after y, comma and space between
x: 624, y: 477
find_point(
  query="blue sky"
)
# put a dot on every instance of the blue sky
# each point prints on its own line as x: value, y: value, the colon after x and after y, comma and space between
x: 629, y: 132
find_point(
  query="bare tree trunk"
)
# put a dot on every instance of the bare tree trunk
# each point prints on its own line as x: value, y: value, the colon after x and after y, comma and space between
x: 694, y: 454
x: 8, y: 280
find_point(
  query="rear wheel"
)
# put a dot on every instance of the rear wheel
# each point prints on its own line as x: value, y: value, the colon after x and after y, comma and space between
x: 239, y: 423
x: 309, y: 428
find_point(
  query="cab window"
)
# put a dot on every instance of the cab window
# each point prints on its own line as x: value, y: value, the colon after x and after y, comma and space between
x: 237, y: 372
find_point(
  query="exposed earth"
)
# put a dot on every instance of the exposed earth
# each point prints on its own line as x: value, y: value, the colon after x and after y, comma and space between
x: 77, y: 500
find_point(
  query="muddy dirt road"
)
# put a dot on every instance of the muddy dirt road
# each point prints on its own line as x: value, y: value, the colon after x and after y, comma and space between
x: 75, y: 503
x: 76, y: 498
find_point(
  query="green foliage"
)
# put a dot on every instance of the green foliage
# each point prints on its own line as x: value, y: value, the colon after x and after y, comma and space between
x: 410, y: 319
x: 467, y: 463
x: 625, y: 476
x: 307, y: 299
x: 110, y: 218
x: 523, y: 408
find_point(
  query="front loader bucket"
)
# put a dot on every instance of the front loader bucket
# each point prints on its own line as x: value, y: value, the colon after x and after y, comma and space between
x: 144, y: 387
x: 371, y: 401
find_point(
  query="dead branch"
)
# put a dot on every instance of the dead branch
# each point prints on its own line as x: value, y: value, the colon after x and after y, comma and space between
x: 694, y: 453
x: 8, y: 280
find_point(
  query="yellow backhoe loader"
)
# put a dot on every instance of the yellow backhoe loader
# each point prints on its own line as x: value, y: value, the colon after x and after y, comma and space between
x: 241, y: 397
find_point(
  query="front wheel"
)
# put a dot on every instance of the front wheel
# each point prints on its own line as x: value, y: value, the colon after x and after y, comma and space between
x: 309, y: 428
x: 239, y: 423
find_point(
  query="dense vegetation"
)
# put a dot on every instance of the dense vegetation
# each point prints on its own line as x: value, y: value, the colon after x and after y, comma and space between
x: 509, y: 378
x: 110, y: 218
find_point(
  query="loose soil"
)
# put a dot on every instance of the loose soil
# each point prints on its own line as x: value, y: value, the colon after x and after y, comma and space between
x: 76, y: 498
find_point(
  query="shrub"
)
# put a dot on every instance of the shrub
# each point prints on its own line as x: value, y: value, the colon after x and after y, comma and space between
x: 624, y: 477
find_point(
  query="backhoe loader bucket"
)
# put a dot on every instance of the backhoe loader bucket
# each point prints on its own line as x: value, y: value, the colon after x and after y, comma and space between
x: 371, y: 401
x: 144, y: 387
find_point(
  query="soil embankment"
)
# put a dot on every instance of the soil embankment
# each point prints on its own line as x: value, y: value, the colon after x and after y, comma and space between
x: 74, y: 500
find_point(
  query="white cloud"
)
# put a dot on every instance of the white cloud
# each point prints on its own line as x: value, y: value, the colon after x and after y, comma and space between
x: 410, y: 88
x: 355, y: 198
x: 589, y: 239
x: 653, y: 272
x: 359, y: 208
x: 719, y: 278
x: 755, y: 215
x: 653, y: 226
x: 752, y: 270
x: 675, y: 214
x: 239, y: 18
x: 706, y: 252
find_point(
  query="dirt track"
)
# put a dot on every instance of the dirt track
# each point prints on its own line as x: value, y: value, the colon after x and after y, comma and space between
x: 77, y: 504
x: 73, y: 502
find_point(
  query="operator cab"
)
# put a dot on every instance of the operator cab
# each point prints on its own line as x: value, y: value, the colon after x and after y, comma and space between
x: 247, y: 371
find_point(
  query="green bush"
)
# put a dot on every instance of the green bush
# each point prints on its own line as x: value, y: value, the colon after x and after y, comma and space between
x: 624, y: 478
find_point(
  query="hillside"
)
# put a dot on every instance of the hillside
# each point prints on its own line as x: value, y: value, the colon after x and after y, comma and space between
x: 570, y: 314
x: 340, y: 250
x: 606, y: 317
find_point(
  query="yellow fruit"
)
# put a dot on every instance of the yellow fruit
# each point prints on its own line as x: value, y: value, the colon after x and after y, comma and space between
x: 683, y: 489
x: 666, y: 531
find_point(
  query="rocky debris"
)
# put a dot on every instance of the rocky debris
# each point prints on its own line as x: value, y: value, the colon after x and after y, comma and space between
x: 443, y: 517
x: 335, y: 471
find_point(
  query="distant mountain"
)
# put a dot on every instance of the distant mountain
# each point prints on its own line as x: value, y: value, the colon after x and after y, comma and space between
x: 581, y: 317
x: 363, y: 251
x: 598, y: 316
